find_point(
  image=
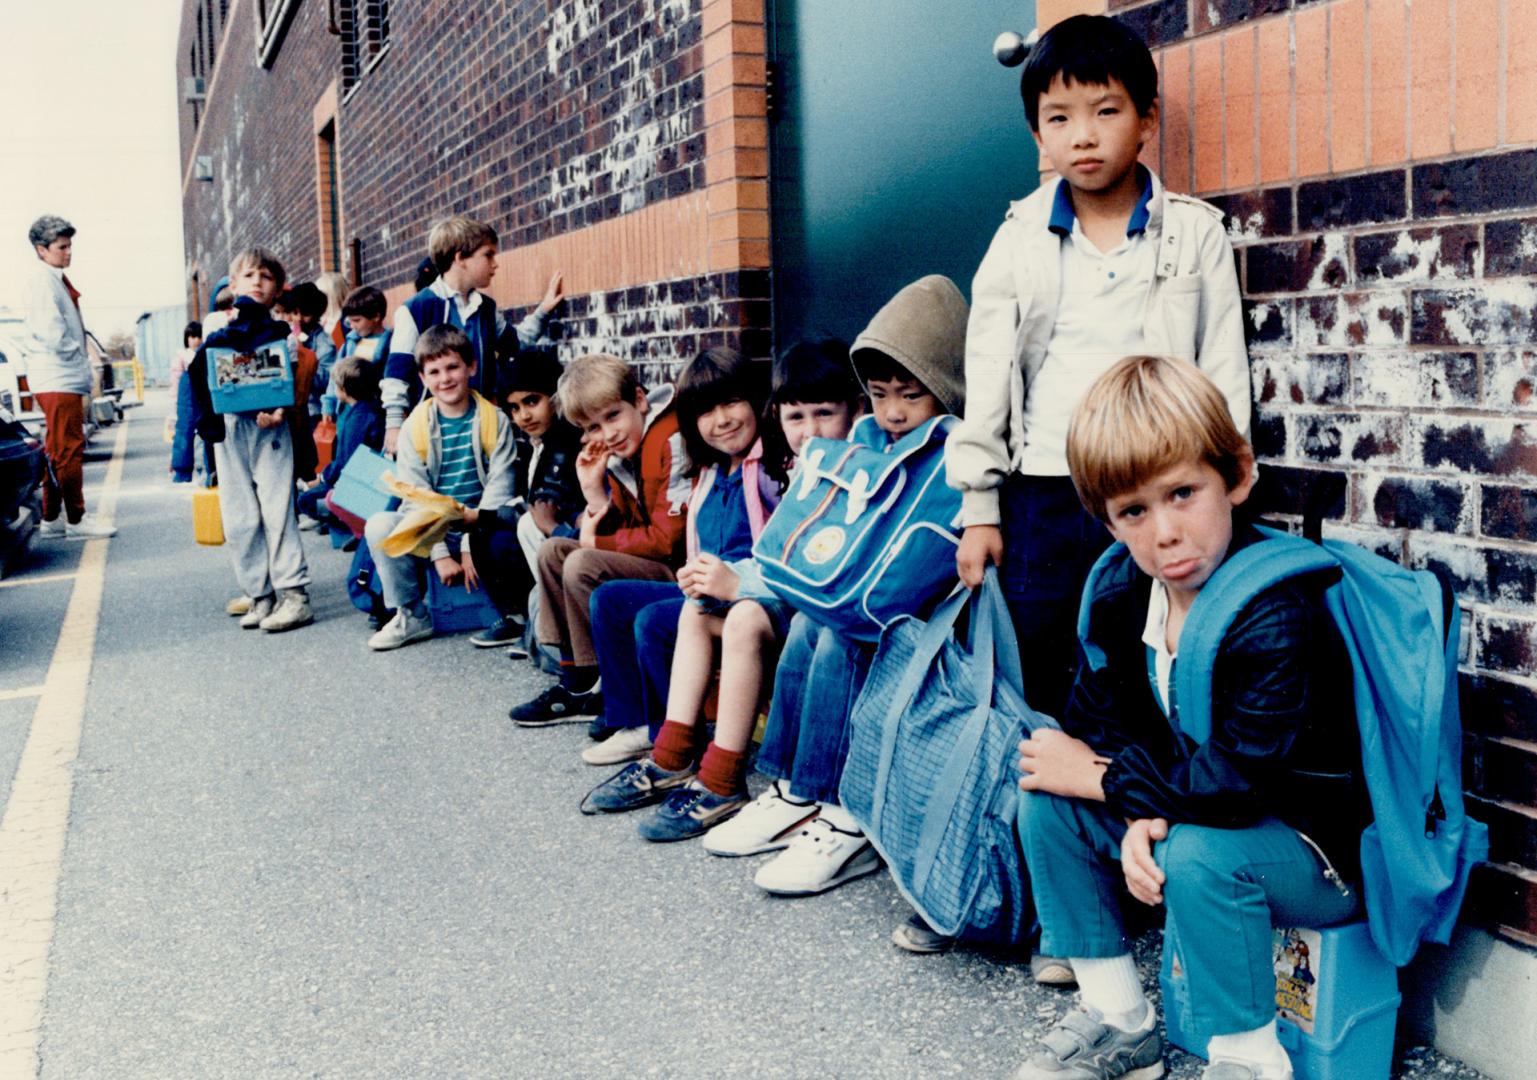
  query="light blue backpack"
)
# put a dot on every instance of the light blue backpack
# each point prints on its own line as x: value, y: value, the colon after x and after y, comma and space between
x: 1400, y: 628
x: 865, y: 532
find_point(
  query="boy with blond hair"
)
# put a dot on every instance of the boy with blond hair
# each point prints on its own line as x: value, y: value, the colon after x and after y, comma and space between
x: 463, y: 252
x: 633, y: 472
x: 258, y: 456
x: 1256, y: 826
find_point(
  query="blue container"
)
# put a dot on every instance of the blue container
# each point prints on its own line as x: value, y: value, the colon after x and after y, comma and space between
x: 1336, y: 1002
x: 358, y: 490
x: 454, y: 609
x: 250, y: 380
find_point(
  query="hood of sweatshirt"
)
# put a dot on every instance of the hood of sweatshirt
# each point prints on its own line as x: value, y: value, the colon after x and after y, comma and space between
x: 923, y: 328
x: 250, y: 325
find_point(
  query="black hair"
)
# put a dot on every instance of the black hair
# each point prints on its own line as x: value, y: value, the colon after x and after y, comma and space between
x: 715, y: 377
x: 808, y: 372
x: 872, y: 365
x: 426, y: 274
x: 532, y: 370
x: 1090, y: 50
x: 193, y: 330
x: 367, y: 302
x: 304, y: 299
x: 357, y: 377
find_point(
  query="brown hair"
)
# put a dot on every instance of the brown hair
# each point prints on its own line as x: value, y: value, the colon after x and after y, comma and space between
x: 462, y: 236
x: 259, y: 256
x: 1145, y: 415
x: 437, y: 341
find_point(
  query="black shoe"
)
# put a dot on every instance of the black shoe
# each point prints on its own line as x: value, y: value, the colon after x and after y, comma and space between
x: 557, y: 705
x: 505, y: 631
x: 598, y: 729
x: 351, y: 545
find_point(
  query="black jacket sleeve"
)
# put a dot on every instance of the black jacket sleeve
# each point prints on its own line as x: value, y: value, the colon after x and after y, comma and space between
x: 208, y: 424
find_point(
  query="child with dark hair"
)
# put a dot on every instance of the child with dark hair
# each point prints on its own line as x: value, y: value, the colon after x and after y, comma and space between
x: 303, y: 307
x: 721, y: 397
x: 367, y: 337
x: 1098, y: 264
x: 361, y: 424
x: 181, y: 407
x: 546, y: 498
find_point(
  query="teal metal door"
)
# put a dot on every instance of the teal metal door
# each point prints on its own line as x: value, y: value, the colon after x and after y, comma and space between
x: 897, y: 144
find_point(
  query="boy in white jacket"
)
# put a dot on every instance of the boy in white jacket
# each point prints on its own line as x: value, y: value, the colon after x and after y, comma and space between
x: 1099, y: 264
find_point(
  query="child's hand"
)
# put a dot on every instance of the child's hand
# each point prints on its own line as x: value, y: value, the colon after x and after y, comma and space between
x: 980, y: 545
x: 1054, y: 761
x: 1143, y: 876
x: 554, y: 293
x: 592, y: 472
x: 448, y: 569
x: 709, y: 576
x: 467, y: 564
x: 271, y: 418
x: 391, y: 438
x: 471, y: 515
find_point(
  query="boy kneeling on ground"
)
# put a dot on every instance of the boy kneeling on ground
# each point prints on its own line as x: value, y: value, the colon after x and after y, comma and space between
x: 1255, y: 827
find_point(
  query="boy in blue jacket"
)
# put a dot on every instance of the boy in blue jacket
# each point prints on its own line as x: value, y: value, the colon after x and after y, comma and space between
x: 1258, y: 825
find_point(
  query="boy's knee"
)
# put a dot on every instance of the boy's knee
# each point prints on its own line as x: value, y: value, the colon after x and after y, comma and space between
x: 1043, y: 814
x: 376, y: 528
x: 1194, y: 853
x: 746, y: 623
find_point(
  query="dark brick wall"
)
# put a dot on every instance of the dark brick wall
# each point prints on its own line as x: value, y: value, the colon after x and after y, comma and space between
x: 539, y: 117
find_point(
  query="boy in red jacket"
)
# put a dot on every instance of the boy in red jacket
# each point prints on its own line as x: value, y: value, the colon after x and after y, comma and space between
x: 633, y: 473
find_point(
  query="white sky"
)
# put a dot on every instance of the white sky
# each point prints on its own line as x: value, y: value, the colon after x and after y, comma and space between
x: 90, y: 134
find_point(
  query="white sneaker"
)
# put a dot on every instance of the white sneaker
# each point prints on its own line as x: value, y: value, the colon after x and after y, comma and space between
x: 765, y: 824
x: 54, y: 528
x: 88, y: 528
x: 403, y: 629
x: 818, y: 858
x: 307, y: 523
x: 627, y: 744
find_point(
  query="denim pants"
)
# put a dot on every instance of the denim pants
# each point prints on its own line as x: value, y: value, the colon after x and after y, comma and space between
x: 806, y: 740
x: 402, y: 578
x: 1225, y: 889
x: 497, y: 549
x: 634, y: 630
x: 1050, y: 544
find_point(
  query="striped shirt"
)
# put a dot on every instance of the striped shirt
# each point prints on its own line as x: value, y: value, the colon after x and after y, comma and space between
x: 457, y: 477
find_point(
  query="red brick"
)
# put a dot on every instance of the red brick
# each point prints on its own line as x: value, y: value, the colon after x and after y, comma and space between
x: 1176, y: 118
x: 1430, y: 59
x: 1521, y: 73
x: 1207, y: 129
x: 1275, y: 100
x: 1312, y: 37
x: 1239, y: 74
x: 1347, y: 76
x: 1477, y: 118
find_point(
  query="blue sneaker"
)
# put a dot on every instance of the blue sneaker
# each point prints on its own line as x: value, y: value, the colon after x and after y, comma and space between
x: 640, y: 783
x: 688, y: 812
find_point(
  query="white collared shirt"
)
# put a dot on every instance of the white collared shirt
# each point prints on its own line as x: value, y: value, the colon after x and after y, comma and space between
x: 1099, y: 320
x: 1155, y: 635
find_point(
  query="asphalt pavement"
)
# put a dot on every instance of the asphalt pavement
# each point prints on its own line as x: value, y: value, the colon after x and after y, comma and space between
x: 288, y: 856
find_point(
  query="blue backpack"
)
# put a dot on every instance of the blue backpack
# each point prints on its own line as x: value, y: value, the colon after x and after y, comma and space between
x: 1401, y: 629
x: 865, y: 532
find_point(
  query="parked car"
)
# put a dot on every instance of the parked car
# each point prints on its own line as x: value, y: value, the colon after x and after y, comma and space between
x: 21, y: 472
x: 14, y: 396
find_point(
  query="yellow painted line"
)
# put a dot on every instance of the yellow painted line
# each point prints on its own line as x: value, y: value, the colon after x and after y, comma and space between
x: 24, y: 692
x: 37, y: 815
x: 40, y: 579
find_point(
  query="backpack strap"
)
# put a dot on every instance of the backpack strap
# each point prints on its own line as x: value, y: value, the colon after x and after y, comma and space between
x: 485, y: 417
x: 1237, y: 581
x: 485, y: 420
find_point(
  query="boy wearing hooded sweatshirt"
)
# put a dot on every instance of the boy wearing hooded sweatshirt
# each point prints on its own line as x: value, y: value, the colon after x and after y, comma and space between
x: 910, y: 360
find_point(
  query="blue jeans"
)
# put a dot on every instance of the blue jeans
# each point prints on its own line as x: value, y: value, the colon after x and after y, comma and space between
x: 1225, y: 888
x: 806, y: 740
x: 634, y: 630
x: 1049, y: 546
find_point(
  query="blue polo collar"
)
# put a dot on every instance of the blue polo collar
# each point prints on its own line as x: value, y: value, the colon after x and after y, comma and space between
x: 1062, y: 215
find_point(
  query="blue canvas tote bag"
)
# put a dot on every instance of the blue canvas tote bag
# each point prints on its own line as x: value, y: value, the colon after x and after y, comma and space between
x: 931, y: 774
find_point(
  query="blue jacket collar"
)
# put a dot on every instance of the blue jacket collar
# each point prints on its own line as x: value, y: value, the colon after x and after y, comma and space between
x: 1063, y: 215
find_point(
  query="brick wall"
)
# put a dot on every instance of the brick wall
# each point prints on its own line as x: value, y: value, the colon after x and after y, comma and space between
x: 1381, y: 192
x: 622, y: 141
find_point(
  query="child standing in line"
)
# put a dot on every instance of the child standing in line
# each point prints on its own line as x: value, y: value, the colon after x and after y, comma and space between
x: 721, y: 396
x: 366, y: 337
x: 1214, y: 831
x: 302, y: 307
x: 181, y: 409
x: 1096, y: 265
x: 546, y: 498
x: 258, y: 455
x: 362, y: 424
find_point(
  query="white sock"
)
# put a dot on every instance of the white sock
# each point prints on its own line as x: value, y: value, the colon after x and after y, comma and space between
x: 1261, y: 1048
x: 840, y: 819
x: 1111, y: 985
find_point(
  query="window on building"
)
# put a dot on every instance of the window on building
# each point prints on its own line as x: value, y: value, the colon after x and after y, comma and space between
x: 211, y: 44
x: 272, y: 19
x: 365, y: 31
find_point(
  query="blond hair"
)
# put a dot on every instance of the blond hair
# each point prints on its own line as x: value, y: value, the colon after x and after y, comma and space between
x: 334, y: 285
x: 462, y: 236
x: 1146, y: 415
x: 259, y: 256
x: 592, y: 383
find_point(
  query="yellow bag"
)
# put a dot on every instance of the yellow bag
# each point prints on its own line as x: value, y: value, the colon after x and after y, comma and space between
x: 428, y: 517
x: 207, y: 520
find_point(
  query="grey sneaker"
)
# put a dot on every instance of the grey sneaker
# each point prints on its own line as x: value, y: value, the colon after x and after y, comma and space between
x: 54, y: 528
x: 403, y: 629
x: 1240, y: 1070
x: 1083, y: 1047
x: 260, y: 608
x: 292, y: 612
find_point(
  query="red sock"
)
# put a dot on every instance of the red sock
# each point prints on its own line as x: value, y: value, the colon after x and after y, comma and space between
x: 723, y: 771
x: 675, y: 747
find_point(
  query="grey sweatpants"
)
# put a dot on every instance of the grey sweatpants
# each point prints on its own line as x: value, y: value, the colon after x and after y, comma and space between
x: 256, y: 501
